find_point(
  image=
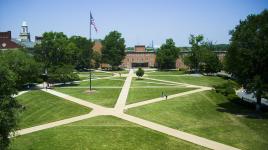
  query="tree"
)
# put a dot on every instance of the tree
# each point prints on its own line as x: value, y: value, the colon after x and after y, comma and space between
x: 62, y: 74
x: 209, y: 61
x: 8, y: 105
x: 57, y: 52
x: 23, y: 65
x: 84, y: 52
x: 140, y: 72
x: 193, y: 61
x: 52, y: 50
x: 167, y: 55
x: 203, y: 57
x: 247, y: 57
x: 113, y: 50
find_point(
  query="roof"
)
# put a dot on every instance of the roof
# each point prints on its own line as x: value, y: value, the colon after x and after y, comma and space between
x: 27, y: 44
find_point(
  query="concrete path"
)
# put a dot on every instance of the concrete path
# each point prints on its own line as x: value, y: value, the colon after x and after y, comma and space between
x: 117, y: 87
x: 185, y: 84
x: 121, y: 101
x: 146, y: 102
x: 73, y: 99
x: 118, y: 112
x: 20, y: 93
x: 161, y: 83
x: 178, y: 134
x: 250, y: 97
x: 54, y: 124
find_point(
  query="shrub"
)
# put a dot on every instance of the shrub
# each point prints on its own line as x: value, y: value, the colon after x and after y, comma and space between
x: 140, y: 72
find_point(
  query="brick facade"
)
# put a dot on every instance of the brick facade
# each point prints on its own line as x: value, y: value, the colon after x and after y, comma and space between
x: 139, y: 58
x: 6, y: 42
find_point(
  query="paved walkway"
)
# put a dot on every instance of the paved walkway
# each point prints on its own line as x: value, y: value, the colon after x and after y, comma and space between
x: 121, y: 101
x: 178, y: 134
x: 185, y: 84
x: 54, y: 124
x: 118, y: 112
x: 250, y: 97
x: 146, y: 102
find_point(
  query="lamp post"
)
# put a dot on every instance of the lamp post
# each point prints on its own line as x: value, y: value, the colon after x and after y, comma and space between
x: 89, y: 79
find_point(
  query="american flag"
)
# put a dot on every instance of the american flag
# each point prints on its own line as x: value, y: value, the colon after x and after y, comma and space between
x: 92, y: 22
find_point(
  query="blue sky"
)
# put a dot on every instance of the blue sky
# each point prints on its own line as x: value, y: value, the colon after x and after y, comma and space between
x: 139, y: 21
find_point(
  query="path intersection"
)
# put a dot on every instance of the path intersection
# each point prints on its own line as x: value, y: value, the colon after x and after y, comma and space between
x: 121, y: 107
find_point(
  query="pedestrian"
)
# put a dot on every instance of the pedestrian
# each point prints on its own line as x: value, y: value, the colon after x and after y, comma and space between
x: 166, y: 97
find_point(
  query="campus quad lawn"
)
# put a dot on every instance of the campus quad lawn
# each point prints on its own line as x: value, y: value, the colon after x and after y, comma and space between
x: 147, y: 82
x: 138, y: 93
x: 208, y: 114
x: 115, y: 81
x: 195, y: 80
x: 85, y: 75
x: 104, y: 132
x: 167, y: 72
x: 102, y: 96
x: 42, y: 107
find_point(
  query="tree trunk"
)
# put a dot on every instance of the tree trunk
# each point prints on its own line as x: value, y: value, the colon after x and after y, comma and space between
x: 258, y: 104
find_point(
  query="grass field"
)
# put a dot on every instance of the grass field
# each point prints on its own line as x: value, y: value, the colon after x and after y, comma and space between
x: 202, y: 80
x: 168, y: 72
x: 140, y: 94
x: 147, y: 82
x: 210, y: 115
x: 115, y: 81
x: 85, y: 75
x: 104, y: 132
x: 42, y: 107
x: 102, y: 96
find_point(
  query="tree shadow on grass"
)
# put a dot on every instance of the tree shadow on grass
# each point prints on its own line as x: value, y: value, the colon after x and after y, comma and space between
x: 242, y: 109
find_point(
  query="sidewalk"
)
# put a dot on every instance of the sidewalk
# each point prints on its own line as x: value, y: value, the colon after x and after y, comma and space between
x: 121, y: 101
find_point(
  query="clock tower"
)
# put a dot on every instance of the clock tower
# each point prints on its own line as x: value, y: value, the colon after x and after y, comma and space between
x: 24, y: 35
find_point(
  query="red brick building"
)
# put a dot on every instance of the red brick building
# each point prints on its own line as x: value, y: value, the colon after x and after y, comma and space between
x: 6, y: 41
x: 139, y: 57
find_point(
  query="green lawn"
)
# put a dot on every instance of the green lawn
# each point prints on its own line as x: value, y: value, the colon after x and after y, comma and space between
x: 147, y: 82
x: 103, y: 132
x: 202, y: 80
x: 168, y: 72
x: 115, y: 81
x: 210, y: 115
x: 85, y: 75
x: 42, y: 107
x: 102, y: 96
x: 121, y: 71
x: 140, y: 94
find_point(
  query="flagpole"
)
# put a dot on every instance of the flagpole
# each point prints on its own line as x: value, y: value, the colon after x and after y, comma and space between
x: 90, y: 62
x: 90, y: 28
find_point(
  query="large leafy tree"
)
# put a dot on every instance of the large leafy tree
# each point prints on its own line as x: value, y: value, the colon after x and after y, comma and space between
x: 55, y: 51
x: 203, y: 57
x: 193, y: 61
x: 52, y: 49
x: 167, y: 55
x: 8, y: 105
x: 83, y: 53
x: 23, y: 65
x: 113, y: 50
x: 209, y: 61
x: 247, y: 57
